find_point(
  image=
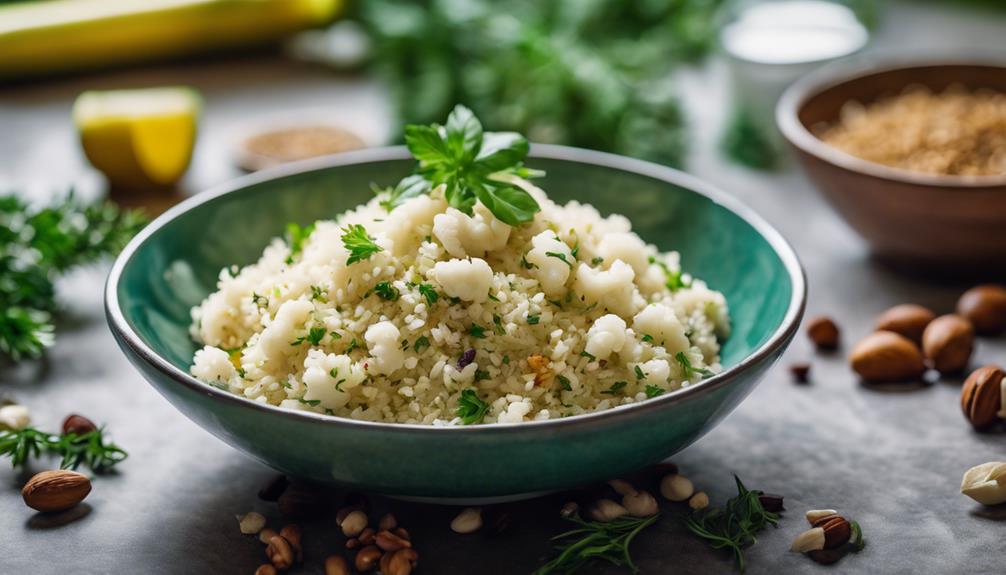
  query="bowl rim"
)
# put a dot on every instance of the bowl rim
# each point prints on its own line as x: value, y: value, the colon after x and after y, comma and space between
x: 787, y: 115
x: 126, y: 335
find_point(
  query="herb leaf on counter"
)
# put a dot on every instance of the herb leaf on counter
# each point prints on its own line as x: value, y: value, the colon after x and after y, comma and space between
x: 735, y: 525
x: 89, y: 449
x: 607, y: 541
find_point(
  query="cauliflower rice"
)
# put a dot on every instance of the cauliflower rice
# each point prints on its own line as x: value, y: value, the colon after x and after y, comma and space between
x: 568, y: 314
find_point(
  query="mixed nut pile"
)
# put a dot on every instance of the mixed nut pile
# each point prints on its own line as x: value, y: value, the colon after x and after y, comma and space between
x: 910, y: 339
x: 829, y: 538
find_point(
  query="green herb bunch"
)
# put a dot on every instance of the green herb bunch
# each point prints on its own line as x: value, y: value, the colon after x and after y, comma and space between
x: 591, y: 74
x: 471, y: 164
x: 595, y: 540
x: 36, y: 246
x: 89, y: 449
x: 735, y: 525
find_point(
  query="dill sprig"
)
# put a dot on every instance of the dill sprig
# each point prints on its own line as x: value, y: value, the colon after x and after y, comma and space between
x: 89, y: 449
x: 735, y: 525
x: 594, y: 540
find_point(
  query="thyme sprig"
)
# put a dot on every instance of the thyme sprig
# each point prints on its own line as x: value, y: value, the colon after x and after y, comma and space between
x: 735, y: 525
x: 89, y: 449
x: 594, y: 540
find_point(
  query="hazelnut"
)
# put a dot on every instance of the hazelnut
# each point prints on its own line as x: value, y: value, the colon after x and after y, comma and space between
x: 78, y: 425
x: 279, y: 552
x: 388, y: 541
x: 885, y: 356
x: 676, y: 487
x: 401, y: 562
x: 640, y: 504
x: 336, y: 565
x: 367, y: 558
x: 981, y: 398
x: 836, y: 530
x: 354, y: 523
x: 947, y: 342
x: 985, y: 307
x: 823, y: 331
x: 367, y: 536
x: 292, y: 534
x: 908, y: 320
x: 699, y: 500
x: 800, y: 372
x: 986, y: 483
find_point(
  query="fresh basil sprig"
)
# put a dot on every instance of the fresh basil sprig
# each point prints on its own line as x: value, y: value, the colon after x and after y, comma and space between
x: 471, y: 164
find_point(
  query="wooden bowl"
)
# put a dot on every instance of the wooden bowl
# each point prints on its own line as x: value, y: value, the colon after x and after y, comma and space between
x: 930, y: 223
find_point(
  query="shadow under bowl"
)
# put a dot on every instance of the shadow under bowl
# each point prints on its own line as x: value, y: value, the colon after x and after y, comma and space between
x: 928, y: 223
x: 174, y: 263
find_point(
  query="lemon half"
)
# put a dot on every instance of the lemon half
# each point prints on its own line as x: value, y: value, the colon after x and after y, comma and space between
x: 140, y: 139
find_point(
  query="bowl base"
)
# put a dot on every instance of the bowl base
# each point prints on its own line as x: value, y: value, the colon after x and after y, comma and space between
x: 473, y: 501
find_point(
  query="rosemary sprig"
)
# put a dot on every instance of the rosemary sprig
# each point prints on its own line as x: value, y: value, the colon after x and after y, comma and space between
x: 594, y: 540
x: 89, y: 449
x: 734, y: 526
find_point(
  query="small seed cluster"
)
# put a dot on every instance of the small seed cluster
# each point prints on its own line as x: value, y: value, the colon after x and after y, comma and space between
x: 386, y: 546
x: 829, y: 538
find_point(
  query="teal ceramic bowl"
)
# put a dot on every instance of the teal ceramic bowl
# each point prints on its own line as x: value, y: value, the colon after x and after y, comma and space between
x: 173, y: 264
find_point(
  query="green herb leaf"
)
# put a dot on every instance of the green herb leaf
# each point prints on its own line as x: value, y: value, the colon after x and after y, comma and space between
x: 421, y: 343
x: 639, y: 372
x: 360, y: 245
x: 386, y: 291
x: 428, y: 292
x: 734, y: 526
x: 311, y: 402
x: 594, y: 540
x: 477, y: 331
x: 501, y: 151
x: 295, y: 237
x: 533, y: 319
x: 689, y: 370
x: 89, y: 449
x: 560, y: 256
x: 564, y: 382
x: 498, y: 325
x: 596, y: 261
x: 410, y: 187
x: 615, y: 388
x: 647, y: 338
x: 471, y: 409
x: 510, y: 204
x: 653, y: 391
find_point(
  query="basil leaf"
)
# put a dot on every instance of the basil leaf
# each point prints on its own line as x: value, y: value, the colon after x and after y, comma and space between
x: 426, y: 144
x: 510, y: 205
x: 464, y: 134
x: 501, y: 150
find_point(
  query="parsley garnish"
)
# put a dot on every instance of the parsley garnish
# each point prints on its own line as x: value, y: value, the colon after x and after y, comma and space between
x: 564, y: 382
x: 492, y: 297
x: 477, y: 331
x: 427, y: 291
x: 639, y: 372
x: 686, y: 365
x: 469, y: 164
x: 480, y: 375
x: 527, y: 265
x: 318, y: 294
x: 352, y: 345
x: 596, y: 261
x: 334, y: 373
x: 498, y: 325
x: 674, y: 279
x: 615, y: 388
x: 506, y: 360
x: 358, y: 243
x: 560, y: 256
x: 314, y: 336
x: 653, y: 391
x: 260, y: 301
x: 471, y: 409
x: 386, y: 291
x: 295, y: 237
x: 647, y: 337
x: 533, y: 319
x: 735, y: 525
x: 587, y: 355
x: 311, y: 402
x: 421, y: 343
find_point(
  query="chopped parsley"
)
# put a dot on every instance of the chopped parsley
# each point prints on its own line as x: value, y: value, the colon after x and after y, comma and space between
x: 334, y: 373
x: 560, y: 256
x: 481, y: 374
x: 427, y: 291
x: 352, y: 345
x: 314, y: 336
x: 575, y: 251
x: 492, y: 297
x: 360, y: 245
x: 477, y: 330
x: 421, y: 342
x: 295, y: 237
x: 527, y: 265
x: 311, y: 402
x: 260, y: 301
x: 506, y: 360
x: 386, y: 291
x: 318, y: 294
x: 498, y: 325
x: 674, y: 280
x: 639, y: 372
x: 596, y: 261
x: 454, y: 300
x: 615, y: 388
x: 686, y: 365
x: 647, y: 337
x: 335, y: 335
x: 653, y: 391
x: 564, y: 382
x: 533, y: 319
x: 471, y: 409
x: 584, y: 353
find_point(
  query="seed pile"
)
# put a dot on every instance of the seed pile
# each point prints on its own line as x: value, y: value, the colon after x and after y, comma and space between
x: 954, y: 132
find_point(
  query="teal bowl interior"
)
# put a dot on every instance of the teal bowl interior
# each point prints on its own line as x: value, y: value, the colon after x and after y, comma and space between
x: 173, y: 264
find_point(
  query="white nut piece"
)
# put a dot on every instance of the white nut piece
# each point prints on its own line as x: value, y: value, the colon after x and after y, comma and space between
x: 468, y: 521
x: 814, y: 514
x: 699, y: 500
x: 354, y: 523
x: 14, y: 417
x: 606, y: 510
x: 622, y: 487
x: 810, y: 540
x: 986, y: 483
x: 251, y: 523
x: 640, y: 504
x: 676, y: 487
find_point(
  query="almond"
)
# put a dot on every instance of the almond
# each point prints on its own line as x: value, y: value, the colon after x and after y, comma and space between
x: 985, y: 307
x: 947, y: 342
x: 56, y: 490
x: 981, y: 397
x: 908, y: 320
x: 836, y: 530
x: 885, y: 356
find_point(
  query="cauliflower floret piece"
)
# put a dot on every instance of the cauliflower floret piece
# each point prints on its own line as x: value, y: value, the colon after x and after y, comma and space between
x: 213, y: 364
x: 659, y: 322
x: 275, y: 339
x: 550, y: 271
x: 468, y: 279
x: 611, y: 289
x: 625, y: 246
x: 383, y: 341
x: 403, y: 221
x: 329, y: 377
x: 607, y: 335
x: 463, y: 235
x: 515, y: 412
x: 655, y: 371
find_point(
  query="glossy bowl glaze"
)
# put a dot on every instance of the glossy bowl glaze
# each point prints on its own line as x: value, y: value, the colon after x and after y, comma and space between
x: 172, y: 264
x: 925, y: 222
